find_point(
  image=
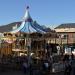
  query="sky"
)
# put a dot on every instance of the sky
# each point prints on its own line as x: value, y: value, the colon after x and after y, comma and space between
x: 50, y: 13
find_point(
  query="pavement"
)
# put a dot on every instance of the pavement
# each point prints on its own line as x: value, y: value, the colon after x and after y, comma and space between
x: 21, y: 73
x: 12, y: 73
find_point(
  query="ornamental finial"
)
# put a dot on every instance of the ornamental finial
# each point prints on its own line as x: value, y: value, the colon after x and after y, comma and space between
x: 27, y: 7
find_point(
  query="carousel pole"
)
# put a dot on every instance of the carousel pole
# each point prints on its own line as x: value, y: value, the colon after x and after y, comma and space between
x: 28, y: 49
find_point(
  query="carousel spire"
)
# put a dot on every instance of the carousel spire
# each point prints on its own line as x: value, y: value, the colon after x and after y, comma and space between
x: 27, y: 17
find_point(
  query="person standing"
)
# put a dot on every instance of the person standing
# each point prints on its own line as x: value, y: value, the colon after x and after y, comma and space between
x: 73, y: 64
x: 68, y: 68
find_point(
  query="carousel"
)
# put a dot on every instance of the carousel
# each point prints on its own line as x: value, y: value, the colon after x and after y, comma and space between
x: 30, y: 39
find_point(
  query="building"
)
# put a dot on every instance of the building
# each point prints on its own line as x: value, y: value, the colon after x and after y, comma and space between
x: 66, y: 33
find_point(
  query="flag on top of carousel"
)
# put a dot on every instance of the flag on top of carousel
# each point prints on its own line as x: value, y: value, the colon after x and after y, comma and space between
x: 28, y: 25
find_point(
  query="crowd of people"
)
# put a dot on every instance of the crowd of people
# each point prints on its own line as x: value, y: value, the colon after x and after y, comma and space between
x: 39, y: 66
x: 44, y: 67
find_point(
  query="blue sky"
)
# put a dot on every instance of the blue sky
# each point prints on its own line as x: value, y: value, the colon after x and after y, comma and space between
x: 46, y: 12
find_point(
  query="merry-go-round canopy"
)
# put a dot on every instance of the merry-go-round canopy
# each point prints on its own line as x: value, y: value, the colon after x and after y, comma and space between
x: 28, y: 25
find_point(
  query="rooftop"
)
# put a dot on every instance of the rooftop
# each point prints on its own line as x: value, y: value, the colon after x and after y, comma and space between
x: 67, y: 25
